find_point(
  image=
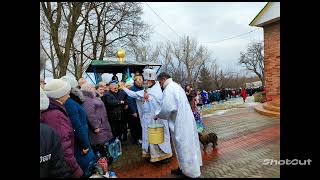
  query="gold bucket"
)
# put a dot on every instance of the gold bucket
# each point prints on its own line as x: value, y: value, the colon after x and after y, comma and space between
x: 155, y: 133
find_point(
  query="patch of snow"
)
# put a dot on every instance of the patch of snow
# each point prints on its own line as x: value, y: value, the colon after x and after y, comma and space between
x: 220, y: 112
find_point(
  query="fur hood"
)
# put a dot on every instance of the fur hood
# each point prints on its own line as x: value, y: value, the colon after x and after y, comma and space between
x: 88, y: 94
x: 92, y: 99
x: 78, y: 94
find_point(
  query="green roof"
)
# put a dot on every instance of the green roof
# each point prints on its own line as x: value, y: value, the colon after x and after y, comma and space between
x: 104, y: 66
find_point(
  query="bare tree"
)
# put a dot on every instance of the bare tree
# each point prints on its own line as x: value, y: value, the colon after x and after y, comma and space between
x: 111, y: 25
x: 221, y: 78
x: 192, y: 58
x: 59, y: 15
x: 80, y: 32
x: 108, y: 26
x: 253, y: 59
x: 205, y: 79
x: 145, y: 53
x: 51, y: 55
x: 166, y: 58
x: 169, y: 63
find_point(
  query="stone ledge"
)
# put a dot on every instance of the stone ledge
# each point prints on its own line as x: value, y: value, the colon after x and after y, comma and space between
x: 270, y: 107
x: 259, y: 108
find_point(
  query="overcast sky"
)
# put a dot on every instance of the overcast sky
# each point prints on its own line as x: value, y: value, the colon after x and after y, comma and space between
x: 207, y: 22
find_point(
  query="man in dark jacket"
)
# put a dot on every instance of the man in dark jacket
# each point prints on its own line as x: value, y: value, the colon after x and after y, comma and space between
x: 134, y: 120
x: 125, y: 111
x: 113, y: 106
x: 189, y: 94
x: 52, y: 163
x: 223, y: 94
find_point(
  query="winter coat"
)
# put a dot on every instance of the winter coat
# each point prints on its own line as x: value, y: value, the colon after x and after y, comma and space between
x: 76, y: 95
x: 131, y: 101
x: 97, y: 118
x: 52, y: 163
x: 125, y: 112
x: 123, y: 97
x: 204, y: 97
x: 234, y: 93
x: 79, y: 121
x: 223, y: 94
x: 57, y: 118
x: 218, y: 96
x: 190, y: 95
x: 243, y: 93
x: 113, y: 106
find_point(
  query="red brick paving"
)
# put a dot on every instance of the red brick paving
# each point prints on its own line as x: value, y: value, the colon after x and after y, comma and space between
x: 245, y: 139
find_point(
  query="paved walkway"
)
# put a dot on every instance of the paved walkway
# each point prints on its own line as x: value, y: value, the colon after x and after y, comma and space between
x: 246, y: 138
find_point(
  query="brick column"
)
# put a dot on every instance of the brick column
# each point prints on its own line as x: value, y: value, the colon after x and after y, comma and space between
x: 272, y: 59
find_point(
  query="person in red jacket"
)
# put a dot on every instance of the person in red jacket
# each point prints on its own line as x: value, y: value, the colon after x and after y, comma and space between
x: 243, y: 94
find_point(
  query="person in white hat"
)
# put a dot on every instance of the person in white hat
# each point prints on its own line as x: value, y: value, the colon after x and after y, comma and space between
x: 52, y: 163
x: 147, y: 110
x: 79, y: 120
x: 75, y: 92
x: 57, y: 118
x: 44, y: 100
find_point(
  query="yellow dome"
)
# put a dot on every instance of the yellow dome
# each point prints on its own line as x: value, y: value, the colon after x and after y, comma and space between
x: 120, y: 54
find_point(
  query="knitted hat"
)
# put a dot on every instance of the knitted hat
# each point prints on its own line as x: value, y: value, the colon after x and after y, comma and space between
x: 57, y: 88
x: 44, y: 100
x: 87, y: 86
x: 71, y: 80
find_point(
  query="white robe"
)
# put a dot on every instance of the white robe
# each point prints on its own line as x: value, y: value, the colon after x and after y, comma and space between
x: 176, y: 108
x: 147, y: 110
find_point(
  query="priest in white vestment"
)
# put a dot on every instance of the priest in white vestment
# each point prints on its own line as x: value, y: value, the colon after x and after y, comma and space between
x: 147, y: 110
x: 176, y: 109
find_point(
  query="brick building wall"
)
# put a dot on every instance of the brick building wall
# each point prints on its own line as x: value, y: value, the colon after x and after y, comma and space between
x: 272, y: 59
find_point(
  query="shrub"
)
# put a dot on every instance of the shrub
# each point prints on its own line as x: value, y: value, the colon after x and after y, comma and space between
x: 260, y: 97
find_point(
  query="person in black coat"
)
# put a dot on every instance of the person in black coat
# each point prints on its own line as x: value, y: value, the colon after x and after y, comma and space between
x: 125, y: 114
x: 223, y: 94
x: 189, y: 94
x: 134, y: 119
x: 229, y: 93
x: 52, y: 163
x: 114, y: 109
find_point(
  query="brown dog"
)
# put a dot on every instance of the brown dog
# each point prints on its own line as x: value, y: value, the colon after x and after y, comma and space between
x: 208, y: 138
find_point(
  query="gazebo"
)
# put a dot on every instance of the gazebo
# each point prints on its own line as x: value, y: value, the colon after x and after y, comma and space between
x: 107, y: 66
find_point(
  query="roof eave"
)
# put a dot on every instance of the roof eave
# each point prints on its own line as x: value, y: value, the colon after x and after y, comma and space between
x: 252, y: 23
x: 268, y: 22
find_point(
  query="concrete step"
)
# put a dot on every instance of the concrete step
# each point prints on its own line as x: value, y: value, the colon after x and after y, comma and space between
x: 275, y: 103
x: 268, y: 106
x: 259, y: 108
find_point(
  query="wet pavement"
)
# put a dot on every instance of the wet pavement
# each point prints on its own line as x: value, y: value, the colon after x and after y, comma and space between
x: 246, y: 138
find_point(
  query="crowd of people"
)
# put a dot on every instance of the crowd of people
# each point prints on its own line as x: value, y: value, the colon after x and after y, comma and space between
x: 86, y: 118
x: 78, y: 119
x: 199, y: 98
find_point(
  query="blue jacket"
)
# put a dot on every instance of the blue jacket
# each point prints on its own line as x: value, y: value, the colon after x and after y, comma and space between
x: 79, y: 122
x: 131, y: 101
